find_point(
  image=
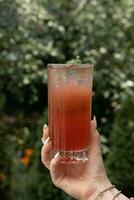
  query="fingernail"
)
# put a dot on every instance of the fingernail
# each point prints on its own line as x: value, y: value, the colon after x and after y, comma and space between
x: 45, y: 141
x: 95, y: 121
x: 57, y: 155
x: 45, y: 127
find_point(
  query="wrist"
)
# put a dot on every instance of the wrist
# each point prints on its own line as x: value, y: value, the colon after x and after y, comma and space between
x: 101, y: 186
x: 109, y: 194
x: 98, y: 187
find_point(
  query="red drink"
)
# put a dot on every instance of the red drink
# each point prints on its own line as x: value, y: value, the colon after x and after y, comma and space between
x: 70, y: 97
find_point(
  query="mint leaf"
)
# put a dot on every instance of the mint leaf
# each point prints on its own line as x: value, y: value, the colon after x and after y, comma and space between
x: 75, y: 61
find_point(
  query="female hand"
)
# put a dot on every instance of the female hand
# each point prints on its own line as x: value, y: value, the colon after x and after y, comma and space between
x: 80, y: 180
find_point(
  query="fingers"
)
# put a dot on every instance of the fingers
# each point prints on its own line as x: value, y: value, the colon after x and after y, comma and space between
x: 56, y: 170
x: 53, y: 167
x: 54, y: 164
x: 45, y: 132
x: 46, y: 149
x: 45, y: 153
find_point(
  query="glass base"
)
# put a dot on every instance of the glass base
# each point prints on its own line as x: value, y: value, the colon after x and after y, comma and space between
x: 72, y: 156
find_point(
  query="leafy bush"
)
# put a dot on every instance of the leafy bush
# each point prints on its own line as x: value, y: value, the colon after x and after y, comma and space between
x: 120, y: 160
x: 29, y: 176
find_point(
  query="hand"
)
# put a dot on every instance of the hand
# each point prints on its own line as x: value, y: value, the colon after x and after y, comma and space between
x: 80, y: 180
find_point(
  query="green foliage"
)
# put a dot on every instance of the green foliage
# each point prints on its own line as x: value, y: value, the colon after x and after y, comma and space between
x: 34, y: 33
x: 120, y: 160
x: 35, y: 179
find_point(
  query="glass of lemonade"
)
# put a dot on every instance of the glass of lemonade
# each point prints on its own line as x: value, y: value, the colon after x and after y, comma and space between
x: 69, y: 106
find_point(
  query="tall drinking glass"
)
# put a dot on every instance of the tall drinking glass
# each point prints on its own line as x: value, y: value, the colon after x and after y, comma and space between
x: 69, y: 105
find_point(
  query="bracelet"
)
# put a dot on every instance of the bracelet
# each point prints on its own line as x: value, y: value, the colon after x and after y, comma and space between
x: 116, y: 195
x: 99, y: 196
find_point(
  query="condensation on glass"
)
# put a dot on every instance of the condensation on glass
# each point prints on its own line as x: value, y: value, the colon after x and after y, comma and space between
x: 69, y: 105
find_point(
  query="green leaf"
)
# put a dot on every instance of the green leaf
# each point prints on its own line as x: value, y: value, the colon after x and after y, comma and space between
x: 75, y: 61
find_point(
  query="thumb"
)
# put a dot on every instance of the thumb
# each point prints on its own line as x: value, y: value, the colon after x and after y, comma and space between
x: 94, y: 145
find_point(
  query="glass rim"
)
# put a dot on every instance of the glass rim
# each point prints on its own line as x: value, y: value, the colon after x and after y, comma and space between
x: 56, y: 65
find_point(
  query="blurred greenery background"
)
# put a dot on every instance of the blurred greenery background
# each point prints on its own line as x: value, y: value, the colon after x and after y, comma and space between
x: 36, y: 32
